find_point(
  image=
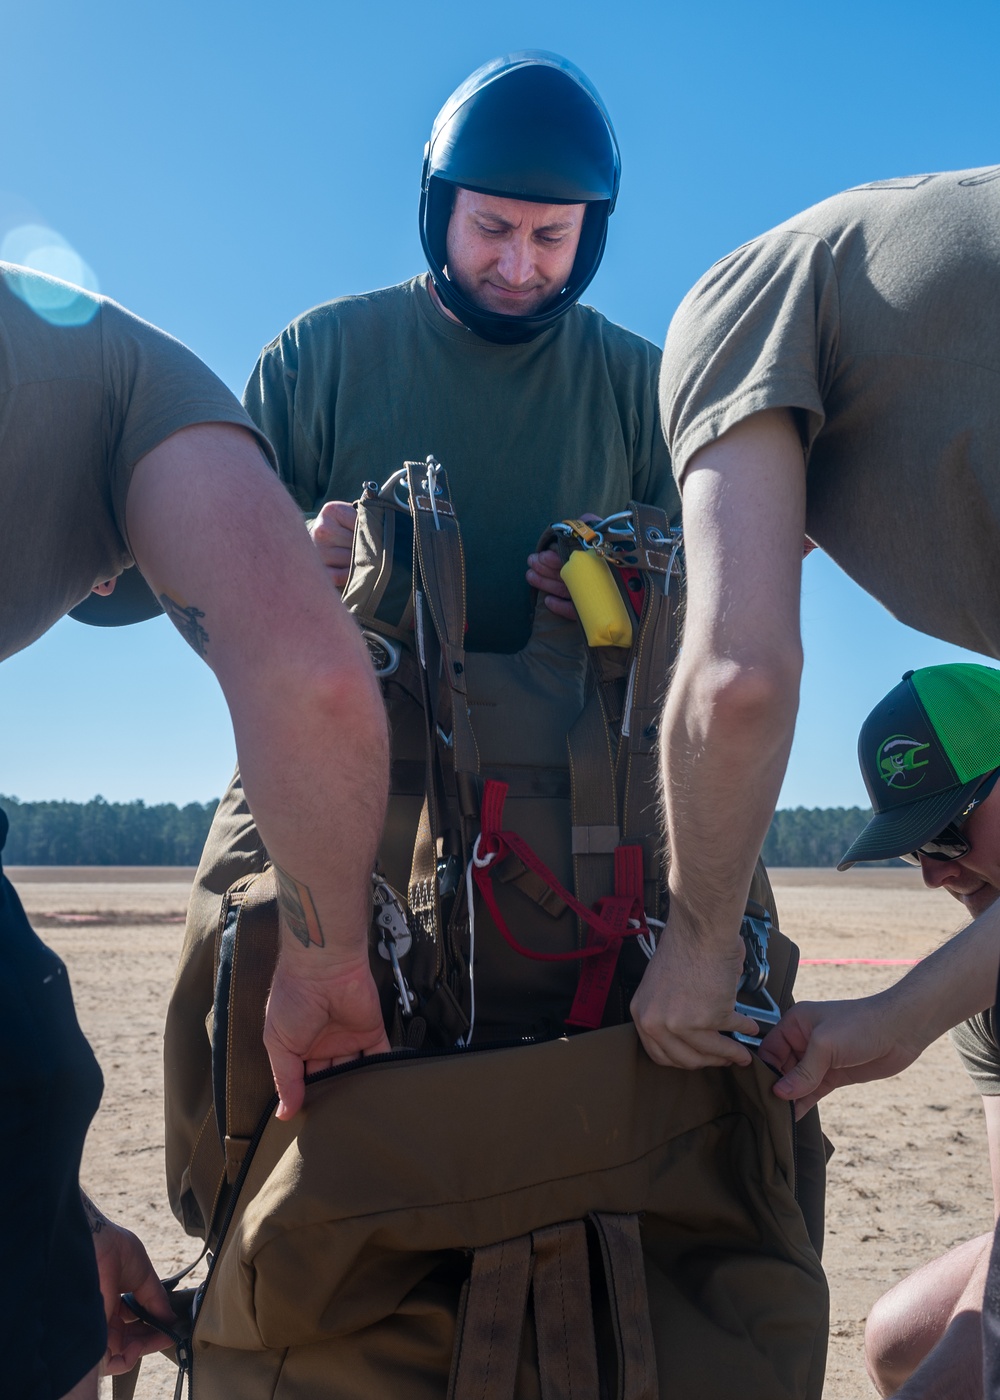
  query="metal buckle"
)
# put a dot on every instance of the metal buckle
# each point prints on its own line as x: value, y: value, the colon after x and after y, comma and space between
x: 385, y: 654
x: 395, y: 937
x: 756, y: 933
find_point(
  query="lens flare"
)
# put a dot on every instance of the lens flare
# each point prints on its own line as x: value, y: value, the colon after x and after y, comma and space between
x: 52, y: 278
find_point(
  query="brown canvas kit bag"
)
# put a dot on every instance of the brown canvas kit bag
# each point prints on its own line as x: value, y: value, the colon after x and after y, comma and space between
x: 556, y: 1220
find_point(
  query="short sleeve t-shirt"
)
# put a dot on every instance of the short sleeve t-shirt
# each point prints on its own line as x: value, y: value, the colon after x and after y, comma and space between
x: 876, y: 317
x: 86, y: 390
x: 528, y: 434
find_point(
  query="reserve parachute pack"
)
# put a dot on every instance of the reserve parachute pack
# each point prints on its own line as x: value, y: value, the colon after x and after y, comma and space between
x: 516, y: 1202
x: 524, y: 816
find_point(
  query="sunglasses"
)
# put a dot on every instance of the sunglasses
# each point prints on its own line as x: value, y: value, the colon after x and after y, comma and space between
x: 949, y: 843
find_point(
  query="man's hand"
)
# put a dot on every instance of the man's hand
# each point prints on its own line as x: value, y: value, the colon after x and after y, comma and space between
x: 333, y: 535
x: 686, y: 999
x: 317, y: 1016
x: 821, y: 1046
x: 543, y: 574
x: 124, y: 1266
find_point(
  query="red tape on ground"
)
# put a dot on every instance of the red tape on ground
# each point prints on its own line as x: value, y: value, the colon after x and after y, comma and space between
x: 864, y: 962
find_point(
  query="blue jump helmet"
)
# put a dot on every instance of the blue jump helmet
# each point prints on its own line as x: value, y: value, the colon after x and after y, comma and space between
x: 527, y: 126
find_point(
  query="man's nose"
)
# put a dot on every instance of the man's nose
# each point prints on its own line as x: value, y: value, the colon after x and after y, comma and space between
x: 516, y: 264
x: 937, y: 872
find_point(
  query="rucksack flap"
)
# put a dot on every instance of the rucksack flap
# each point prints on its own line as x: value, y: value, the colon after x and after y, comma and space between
x: 358, y: 1223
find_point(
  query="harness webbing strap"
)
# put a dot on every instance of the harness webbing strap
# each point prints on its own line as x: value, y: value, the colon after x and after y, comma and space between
x: 241, y: 1073
x: 597, y: 975
x: 564, y: 1318
x: 656, y: 645
x: 441, y: 560
x: 496, y: 842
x: 123, y: 1386
x: 621, y: 1247
x: 488, y: 1347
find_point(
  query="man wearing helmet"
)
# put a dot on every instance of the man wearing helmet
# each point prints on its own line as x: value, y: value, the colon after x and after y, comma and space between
x: 537, y: 406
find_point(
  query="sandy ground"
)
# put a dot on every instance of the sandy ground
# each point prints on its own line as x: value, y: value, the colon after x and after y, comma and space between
x: 909, y: 1178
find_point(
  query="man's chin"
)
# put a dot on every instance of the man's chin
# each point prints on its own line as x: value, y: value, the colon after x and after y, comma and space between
x: 487, y: 299
x: 980, y: 900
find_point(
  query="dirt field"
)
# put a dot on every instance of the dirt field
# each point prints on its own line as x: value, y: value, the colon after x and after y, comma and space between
x: 908, y: 1180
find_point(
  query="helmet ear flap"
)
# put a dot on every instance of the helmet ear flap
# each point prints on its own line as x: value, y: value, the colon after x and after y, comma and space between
x: 593, y: 237
x: 437, y: 200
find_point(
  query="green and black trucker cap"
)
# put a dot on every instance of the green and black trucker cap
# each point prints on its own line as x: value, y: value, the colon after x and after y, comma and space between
x: 923, y: 751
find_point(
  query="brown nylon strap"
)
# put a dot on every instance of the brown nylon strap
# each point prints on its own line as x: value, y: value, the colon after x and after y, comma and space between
x: 371, y: 555
x: 564, y: 1319
x: 488, y: 1346
x: 441, y: 561
x: 621, y: 1248
x: 123, y: 1387
x: 249, y: 1082
x: 655, y: 649
x: 594, y: 800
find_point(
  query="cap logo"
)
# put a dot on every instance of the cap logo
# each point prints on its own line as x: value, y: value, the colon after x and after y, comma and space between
x: 900, y: 761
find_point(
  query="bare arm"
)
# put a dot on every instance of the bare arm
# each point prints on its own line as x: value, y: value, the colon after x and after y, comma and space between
x: 727, y: 728
x: 820, y: 1046
x: 219, y: 540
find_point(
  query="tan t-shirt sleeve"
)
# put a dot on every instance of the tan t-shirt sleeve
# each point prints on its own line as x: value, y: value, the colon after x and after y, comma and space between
x: 155, y: 386
x: 758, y: 331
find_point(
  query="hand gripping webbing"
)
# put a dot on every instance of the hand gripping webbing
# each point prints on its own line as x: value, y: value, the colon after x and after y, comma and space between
x: 553, y: 1265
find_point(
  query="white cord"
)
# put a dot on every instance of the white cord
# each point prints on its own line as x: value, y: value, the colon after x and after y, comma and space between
x: 470, y: 894
x: 648, y: 945
x: 433, y: 467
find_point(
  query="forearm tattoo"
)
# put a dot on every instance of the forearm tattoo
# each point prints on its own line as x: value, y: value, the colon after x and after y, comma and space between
x: 185, y: 619
x: 298, y: 910
x: 95, y: 1219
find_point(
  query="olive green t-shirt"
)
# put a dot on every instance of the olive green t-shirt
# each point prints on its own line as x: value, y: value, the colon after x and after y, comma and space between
x: 876, y: 315
x: 86, y: 390
x: 528, y: 434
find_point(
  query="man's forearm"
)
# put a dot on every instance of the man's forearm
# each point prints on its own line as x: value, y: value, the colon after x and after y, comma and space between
x: 726, y: 732
x: 726, y: 745
x: 956, y: 981
x: 731, y: 710
x: 320, y: 807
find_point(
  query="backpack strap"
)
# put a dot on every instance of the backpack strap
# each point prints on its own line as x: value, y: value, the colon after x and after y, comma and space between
x: 554, y: 1262
x: 653, y: 654
x: 621, y: 1248
x: 564, y: 1319
x: 491, y: 1320
x: 439, y: 562
x: 242, y: 1082
x: 451, y: 805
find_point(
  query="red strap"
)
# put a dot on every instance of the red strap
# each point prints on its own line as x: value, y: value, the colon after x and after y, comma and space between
x: 628, y: 871
x: 636, y: 596
x: 596, y: 976
x: 607, y: 924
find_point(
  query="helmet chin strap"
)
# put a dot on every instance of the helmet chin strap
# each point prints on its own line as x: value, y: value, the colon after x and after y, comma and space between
x: 493, y: 325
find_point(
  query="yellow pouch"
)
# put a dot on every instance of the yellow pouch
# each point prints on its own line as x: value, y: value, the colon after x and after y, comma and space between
x: 595, y: 595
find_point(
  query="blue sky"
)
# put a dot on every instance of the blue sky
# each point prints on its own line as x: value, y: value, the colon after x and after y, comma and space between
x: 221, y: 167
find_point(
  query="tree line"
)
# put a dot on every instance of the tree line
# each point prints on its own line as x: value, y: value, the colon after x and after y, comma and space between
x: 105, y: 833
x: 130, y: 833
x: 814, y: 835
